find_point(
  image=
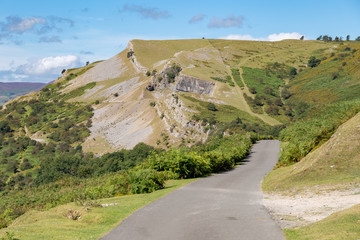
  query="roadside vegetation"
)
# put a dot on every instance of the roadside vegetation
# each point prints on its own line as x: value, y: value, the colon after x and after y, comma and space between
x: 322, y: 98
x: 43, y: 166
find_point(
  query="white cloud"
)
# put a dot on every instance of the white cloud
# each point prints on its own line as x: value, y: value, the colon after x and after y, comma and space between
x: 49, y: 65
x: 238, y: 37
x: 41, y: 70
x: 282, y: 36
x: 271, y: 37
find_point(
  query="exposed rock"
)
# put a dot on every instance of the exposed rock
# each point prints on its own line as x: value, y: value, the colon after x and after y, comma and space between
x: 170, y: 78
x: 191, y: 84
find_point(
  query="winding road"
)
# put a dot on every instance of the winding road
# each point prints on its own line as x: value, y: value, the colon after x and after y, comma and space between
x: 224, y: 206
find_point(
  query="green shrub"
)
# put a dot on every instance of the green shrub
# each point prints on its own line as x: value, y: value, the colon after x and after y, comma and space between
x: 211, y: 107
x: 145, y: 181
x: 183, y: 163
x: 220, y: 161
x: 313, y: 62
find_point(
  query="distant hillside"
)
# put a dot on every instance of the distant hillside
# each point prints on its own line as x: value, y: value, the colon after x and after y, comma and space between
x: 11, y: 90
x: 180, y: 92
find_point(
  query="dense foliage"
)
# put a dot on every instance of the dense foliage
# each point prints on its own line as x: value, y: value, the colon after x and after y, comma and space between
x: 67, y: 174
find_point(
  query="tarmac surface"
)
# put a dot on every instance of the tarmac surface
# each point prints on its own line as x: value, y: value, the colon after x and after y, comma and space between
x: 224, y: 206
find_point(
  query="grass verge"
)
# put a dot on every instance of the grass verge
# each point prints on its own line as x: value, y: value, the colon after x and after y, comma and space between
x: 340, y: 225
x: 93, y: 223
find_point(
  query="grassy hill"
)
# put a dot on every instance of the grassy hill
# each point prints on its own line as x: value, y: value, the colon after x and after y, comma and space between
x: 336, y: 162
x: 199, y: 102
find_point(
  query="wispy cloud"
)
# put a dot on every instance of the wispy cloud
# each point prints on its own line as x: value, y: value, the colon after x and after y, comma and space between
x: 52, y: 39
x: 271, y: 37
x: 55, y: 23
x: 13, y: 27
x: 18, y: 25
x: 230, y: 21
x: 197, y: 18
x: 148, y: 12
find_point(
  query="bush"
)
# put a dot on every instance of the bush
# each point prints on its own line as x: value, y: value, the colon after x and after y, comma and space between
x: 220, y: 161
x: 211, y: 107
x: 313, y: 62
x: 184, y: 164
x: 253, y: 90
x: 145, y: 181
x: 292, y: 72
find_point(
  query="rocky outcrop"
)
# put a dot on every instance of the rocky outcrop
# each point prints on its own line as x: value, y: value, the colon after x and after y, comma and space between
x: 137, y: 66
x: 170, y: 78
x: 186, y: 83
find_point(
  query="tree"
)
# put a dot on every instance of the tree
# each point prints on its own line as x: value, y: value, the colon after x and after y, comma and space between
x: 302, y: 38
x: 319, y: 38
x: 337, y: 39
x: 64, y: 70
x: 358, y: 38
x: 313, y: 62
x: 130, y: 53
x: 252, y: 90
x: 87, y: 63
x: 348, y: 38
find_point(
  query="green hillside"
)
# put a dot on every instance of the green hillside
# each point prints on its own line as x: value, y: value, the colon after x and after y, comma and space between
x: 124, y: 125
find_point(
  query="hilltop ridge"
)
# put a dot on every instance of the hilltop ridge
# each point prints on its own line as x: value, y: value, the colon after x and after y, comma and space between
x: 121, y: 84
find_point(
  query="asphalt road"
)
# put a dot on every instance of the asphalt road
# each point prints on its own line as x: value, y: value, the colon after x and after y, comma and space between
x: 224, y: 206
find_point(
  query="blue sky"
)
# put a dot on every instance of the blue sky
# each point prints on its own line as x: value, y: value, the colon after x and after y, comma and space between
x: 39, y: 38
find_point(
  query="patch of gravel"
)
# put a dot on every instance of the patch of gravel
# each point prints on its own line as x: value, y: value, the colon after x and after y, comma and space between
x: 310, y: 206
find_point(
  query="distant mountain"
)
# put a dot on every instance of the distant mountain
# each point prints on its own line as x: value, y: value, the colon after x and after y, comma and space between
x: 11, y: 90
